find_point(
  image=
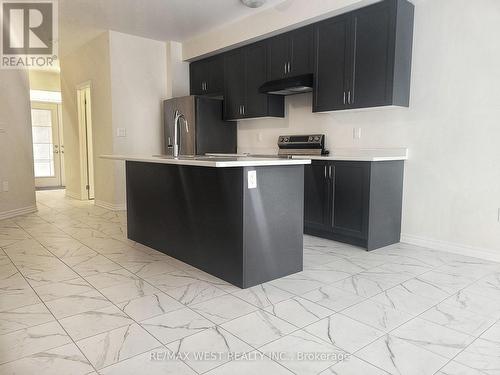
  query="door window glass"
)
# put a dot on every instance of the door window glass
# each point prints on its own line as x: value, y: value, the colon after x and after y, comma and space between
x: 43, y: 146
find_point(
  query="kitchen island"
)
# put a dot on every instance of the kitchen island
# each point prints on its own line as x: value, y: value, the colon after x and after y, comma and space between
x: 240, y: 219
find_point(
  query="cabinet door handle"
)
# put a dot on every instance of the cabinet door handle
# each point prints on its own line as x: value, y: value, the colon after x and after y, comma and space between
x: 289, y: 67
x: 325, y: 171
x: 284, y: 65
x: 239, y: 110
x: 243, y: 110
x: 349, y: 97
x: 333, y: 194
x: 344, y: 97
x: 330, y: 172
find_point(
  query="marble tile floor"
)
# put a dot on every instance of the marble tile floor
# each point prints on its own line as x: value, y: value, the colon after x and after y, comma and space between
x: 78, y: 297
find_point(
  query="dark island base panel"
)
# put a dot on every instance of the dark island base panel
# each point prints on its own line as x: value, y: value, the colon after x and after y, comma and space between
x: 208, y: 218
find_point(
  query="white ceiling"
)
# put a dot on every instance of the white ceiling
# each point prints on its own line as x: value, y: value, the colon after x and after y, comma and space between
x: 178, y: 20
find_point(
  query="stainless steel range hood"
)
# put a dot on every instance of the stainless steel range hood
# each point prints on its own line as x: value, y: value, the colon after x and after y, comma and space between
x: 289, y: 85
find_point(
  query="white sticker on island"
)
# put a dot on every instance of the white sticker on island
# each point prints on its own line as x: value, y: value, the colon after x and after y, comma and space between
x: 252, y: 179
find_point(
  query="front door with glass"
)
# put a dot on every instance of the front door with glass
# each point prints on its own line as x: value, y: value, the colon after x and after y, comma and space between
x: 48, y: 148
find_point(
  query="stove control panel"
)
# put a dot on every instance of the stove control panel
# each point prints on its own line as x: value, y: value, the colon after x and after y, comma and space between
x: 301, y: 144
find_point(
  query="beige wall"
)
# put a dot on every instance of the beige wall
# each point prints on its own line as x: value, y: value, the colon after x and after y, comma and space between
x: 177, y: 71
x: 452, y: 180
x: 138, y: 86
x: 281, y: 17
x: 44, y: 80
x: 128, y: 77
x: 16, y: 148
x: 90, y: 63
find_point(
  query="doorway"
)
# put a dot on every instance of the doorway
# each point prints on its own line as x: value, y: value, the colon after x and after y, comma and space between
x: 48, y: 145
x: 86, y: 146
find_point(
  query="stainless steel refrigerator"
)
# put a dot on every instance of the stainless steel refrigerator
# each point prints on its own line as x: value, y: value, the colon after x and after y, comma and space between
x: 202, y: 130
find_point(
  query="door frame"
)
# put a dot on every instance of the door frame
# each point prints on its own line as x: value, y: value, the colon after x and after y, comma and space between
x: 44, y: 182
x: 84, y: 101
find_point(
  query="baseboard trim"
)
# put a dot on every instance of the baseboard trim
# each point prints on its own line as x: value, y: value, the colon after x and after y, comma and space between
x: 73, y: 195
x: 451, y: 247
x: 17, y: 212
x: 110, y: 206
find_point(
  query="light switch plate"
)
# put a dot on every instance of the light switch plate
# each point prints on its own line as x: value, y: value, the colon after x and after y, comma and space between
x: 356, y: 133
x: 252, y: 179
x: 5, y: 186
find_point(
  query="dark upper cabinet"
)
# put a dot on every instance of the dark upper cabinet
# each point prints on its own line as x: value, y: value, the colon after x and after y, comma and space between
x: 278, y: 50
x: 234, y: 84
x: 245, y: 70
x: 373, y: 61
x: 290, y: 54
x: 360, y: 59
x: 332, y: 68
x: 372, y: 57
x: 256, y: 103
x: 207, y: 76
x: 301, y: 51
x: 355, y: 202
x: 197, y: 71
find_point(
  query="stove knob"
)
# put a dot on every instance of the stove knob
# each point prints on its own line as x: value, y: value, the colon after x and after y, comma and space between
x: 316, y: 138
x: 287, y: 139
x: 310, y: 138
x: 281, y: 139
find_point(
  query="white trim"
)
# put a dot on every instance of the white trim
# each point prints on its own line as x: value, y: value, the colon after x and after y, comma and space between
x: 17, y: 212
x: 110, y: 206
x: 45, y: 96
x: 74, y: 195
x: 83, y: 92
x: 451, y: 247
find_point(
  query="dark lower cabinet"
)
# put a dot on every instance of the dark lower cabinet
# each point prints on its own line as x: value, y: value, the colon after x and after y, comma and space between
x: 317, y: 196
x: 350, y: 192
x: 354, y: 202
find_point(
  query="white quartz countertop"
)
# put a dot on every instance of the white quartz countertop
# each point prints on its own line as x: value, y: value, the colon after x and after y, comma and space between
x: 211, y: 161
x: 363, y: 154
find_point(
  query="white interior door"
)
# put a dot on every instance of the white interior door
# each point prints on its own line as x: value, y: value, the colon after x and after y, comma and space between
x: 47, y: 144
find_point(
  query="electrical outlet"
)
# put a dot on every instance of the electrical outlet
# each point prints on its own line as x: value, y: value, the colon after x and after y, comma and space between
x: 252, y: 179
x: 5, y: 185
x: 356, y: 133
x: 259, y: 136
x: 121, y: 132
